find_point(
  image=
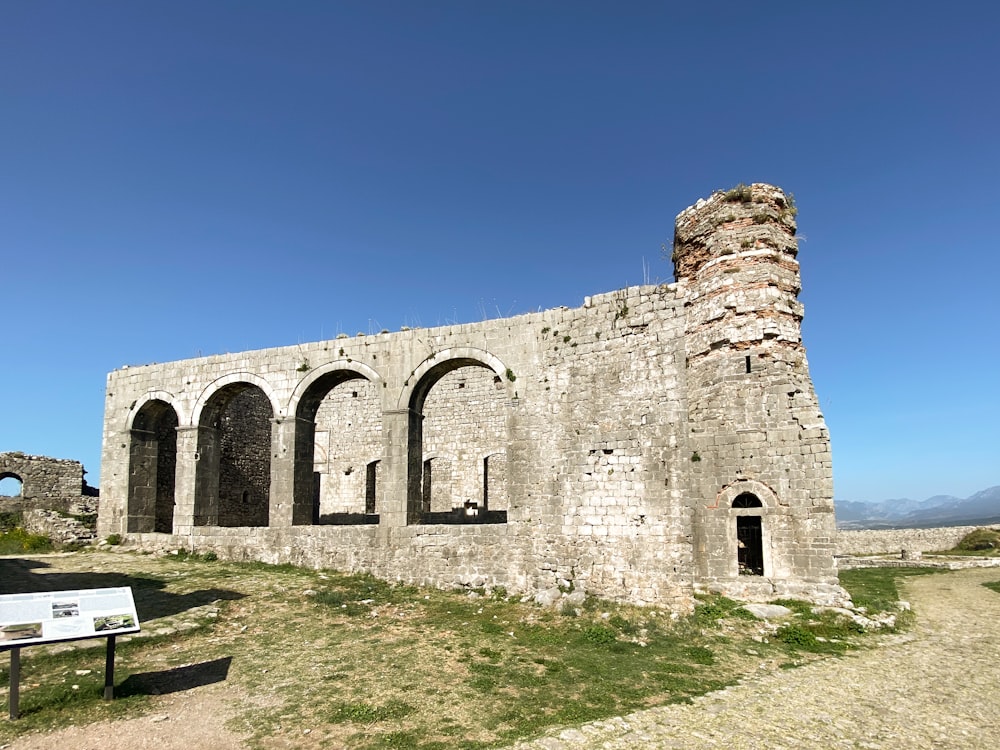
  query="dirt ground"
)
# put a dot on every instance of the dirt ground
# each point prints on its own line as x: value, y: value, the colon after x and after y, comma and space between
x: 934, y: 687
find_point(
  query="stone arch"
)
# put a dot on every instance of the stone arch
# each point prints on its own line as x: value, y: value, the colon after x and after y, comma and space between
x: 5, y: 489
x: 245, y: 378
x: 163, y: 396
x: 152, y: 467
x: 458, y: 401
x: 338, y: 418
x: 728, y: 494
x: 436, y: 366
x: 233, y: 470
x: 341, y: 369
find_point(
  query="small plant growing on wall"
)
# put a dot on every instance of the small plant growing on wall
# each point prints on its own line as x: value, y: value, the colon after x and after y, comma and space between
x: 739, y: 194
x: 304, y: 367
x: 510, y: 375
x: 695, y: 457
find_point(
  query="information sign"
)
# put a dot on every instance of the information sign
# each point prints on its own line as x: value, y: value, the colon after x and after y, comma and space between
x: 51, y: 616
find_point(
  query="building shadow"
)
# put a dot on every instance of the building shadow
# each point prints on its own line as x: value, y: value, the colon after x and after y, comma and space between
x: 18, y: 576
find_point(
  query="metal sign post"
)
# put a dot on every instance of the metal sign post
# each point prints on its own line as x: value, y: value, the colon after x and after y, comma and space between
x: 15, y: 682
x: 109, y: 670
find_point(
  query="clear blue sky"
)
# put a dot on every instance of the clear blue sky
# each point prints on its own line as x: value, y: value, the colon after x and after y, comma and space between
x: 182, y: 178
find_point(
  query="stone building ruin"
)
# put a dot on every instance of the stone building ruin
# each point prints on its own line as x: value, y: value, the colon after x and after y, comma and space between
x: 45, y: 483
x: 656, y: 442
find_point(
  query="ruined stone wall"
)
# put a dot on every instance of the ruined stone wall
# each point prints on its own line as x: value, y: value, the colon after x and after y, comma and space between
x: 616, y: 437
x: 51, y: 483
x: 894, y: 541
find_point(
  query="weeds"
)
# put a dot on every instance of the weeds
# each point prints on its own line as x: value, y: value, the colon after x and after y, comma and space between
x: 17, y: 541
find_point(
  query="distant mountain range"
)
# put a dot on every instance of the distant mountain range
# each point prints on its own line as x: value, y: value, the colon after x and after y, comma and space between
x: 941, y: 510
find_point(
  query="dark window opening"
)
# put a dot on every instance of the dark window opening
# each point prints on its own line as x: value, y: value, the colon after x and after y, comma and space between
x: 425, y: 488
x: 316, y: 496
x: 750, y: 546
x: 747, y: 500
x: 748, y: 363
x: 371, y: 475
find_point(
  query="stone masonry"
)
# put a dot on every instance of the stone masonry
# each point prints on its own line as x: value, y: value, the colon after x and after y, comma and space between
x: 656, y: 442
x: 46, y: 483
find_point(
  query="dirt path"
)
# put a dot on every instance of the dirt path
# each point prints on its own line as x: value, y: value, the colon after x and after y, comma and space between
x: 935, y: 687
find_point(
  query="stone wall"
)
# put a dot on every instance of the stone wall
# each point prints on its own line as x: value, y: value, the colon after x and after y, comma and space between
x: 52, y: 483
x: 894, y: 541
x: 57, y: 527
x: 613, y: 443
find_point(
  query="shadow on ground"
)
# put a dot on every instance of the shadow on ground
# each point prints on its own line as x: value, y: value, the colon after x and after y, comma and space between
x: 17, y: 576
x: 175, y: 680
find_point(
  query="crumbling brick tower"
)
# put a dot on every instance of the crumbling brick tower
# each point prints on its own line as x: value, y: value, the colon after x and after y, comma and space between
x: 756, y: 430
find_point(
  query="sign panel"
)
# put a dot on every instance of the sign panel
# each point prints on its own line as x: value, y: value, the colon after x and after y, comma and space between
x: 50, y: 616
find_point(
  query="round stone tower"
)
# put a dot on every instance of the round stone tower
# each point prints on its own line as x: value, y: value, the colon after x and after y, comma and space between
x: 760, y: 480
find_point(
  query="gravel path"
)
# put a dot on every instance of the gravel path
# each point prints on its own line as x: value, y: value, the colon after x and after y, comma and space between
x: 937, y: 686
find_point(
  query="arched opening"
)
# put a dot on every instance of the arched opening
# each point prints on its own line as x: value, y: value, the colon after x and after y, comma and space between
x: 10, y: 485
x: 234, y: 458
x: 152, y: 469
x: 749, y: 536
x: 747, y: 500
x: 338, y: 446
x: 460, y: 409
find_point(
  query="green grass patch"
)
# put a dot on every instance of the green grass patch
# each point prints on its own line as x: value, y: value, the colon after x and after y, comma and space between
x: 17, y: 541
x: 993, y: 586
x: 367, y: 664
x: 877, y: 589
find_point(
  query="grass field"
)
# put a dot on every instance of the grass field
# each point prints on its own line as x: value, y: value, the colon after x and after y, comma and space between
x: 370, y: 665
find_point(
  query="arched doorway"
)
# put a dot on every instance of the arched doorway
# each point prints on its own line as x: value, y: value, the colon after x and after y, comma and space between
x: 234, y: 468
x: 460, y: 410
x: 749, y: 534
x: 338, y: 448
x: 152, y: 468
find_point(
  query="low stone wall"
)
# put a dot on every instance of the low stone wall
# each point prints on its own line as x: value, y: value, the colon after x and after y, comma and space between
x: 442, y: 556
x: 889, y: 541
x: 57, y: 527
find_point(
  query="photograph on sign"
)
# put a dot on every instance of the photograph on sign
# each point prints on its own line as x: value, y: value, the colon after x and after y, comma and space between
x: 20, y: 631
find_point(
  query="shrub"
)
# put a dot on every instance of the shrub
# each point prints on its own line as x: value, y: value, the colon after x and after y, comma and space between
x: 797, y: 636
x: 18, y: 540
x: 10, y: 520
x: 979, y: 540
